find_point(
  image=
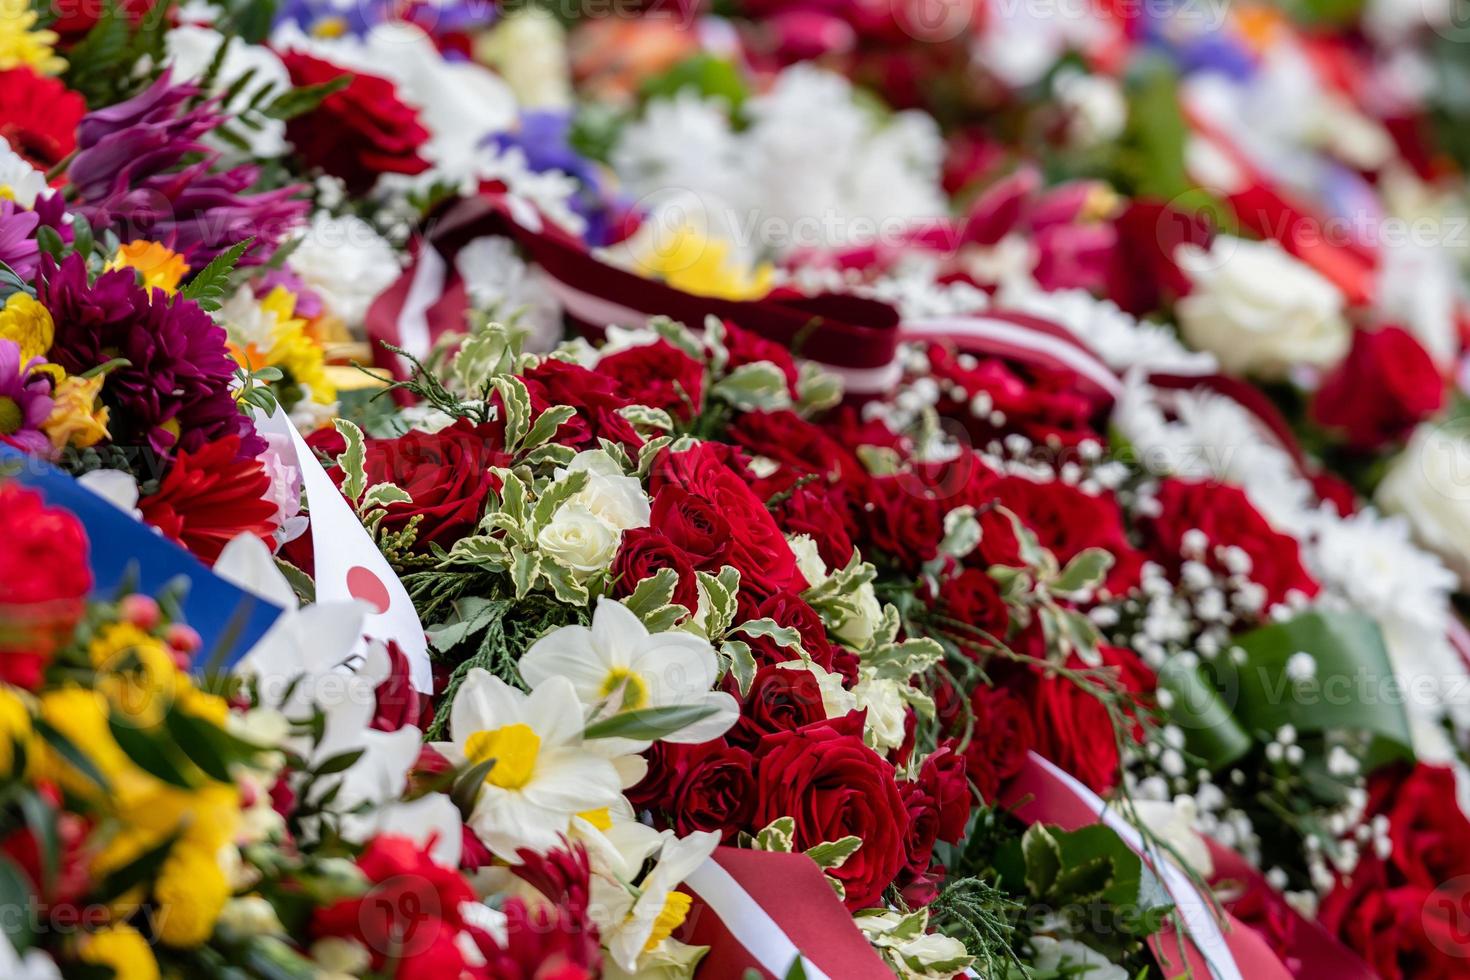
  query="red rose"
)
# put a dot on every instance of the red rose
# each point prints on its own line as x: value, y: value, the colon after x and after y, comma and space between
x: 209, y: 497
x: 557, y: 382
x: 834, y: 786
x: 903, y: 521
x: 973, y: 598
x: 716, y: 791
x: 1042, y: 405
x: 643, y: 552
x: 759, y: 550
x: 357, y: 132
x: 923, y: 827
x: 667, y: 764
x: 801, y: 448
x: 1066, y: 521
x: 446, y: 473
x: 1386, y: 385
x: 1073, y: 728
x: 790, y: 610
x: 818, y: 513
x: 410, y: 915
x: 1409, y: 932
x: 1226, y: 517
x: 781, y: 699
x: 1430, y: 835
x: 44, y: 581
x: 658, y: 375
x: 1002, y: 735
x: 943, y: 775
x: 693, y: 524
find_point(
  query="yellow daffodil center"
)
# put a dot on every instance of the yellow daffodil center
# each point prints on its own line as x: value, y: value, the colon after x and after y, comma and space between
x: 670, y: 917
x: 514, y: 749
x: 599, y: 818
x: 634, y: 690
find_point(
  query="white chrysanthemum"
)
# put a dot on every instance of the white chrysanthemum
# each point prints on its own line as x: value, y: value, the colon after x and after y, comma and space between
x: 616, y: 665
x: 1208, y: 436
x: 1121, y: 340
x: 20, y: 181
x: 684, y: 142
x: 542, y: 774
x: 192, y: 48
x: 345, y: 262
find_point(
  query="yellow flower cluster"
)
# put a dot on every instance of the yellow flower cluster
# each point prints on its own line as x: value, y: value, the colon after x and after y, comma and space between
x: 21, y: 44
x: 137, y: 687
x: 77, y: 417
x: 688, y: 260
x: 289, y: 347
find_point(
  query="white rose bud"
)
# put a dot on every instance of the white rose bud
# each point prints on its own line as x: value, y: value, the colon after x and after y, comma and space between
x: 1429, y: 484
x: 857, y: 630
x: 579, y: 539
x: 1260, y: 310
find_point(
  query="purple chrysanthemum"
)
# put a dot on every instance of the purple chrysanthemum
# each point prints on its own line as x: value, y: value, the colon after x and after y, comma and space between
x: 131, y: 174
x: 174, y: 393
x: 25, y: 400
x: 18, y: 248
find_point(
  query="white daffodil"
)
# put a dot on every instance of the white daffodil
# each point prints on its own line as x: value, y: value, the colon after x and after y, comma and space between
x: 616, y: 665
x: 542, y: 774
x: 303, y: 664
x: 638, y: 922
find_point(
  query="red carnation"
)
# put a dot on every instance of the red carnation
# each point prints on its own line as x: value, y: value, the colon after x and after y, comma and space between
x: 44, y: 581
x: 1386, y: 385
x: 1226, y: 516
x: 834, y: 786
x: 359, y: 131
x: 210, y: 496
x: 39, y: 116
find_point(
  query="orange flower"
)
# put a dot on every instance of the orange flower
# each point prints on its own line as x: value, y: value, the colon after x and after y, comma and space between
x: 162, y: 268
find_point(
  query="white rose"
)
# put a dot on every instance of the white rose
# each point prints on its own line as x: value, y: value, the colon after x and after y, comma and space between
x: 1259, y: 310
x: 837, y: 700
x: 808, y: 559
x: 887, y: 711
x: 857, y: 630
x: 579, y: 539
x: 1429, y: 484
x: 617, y: 499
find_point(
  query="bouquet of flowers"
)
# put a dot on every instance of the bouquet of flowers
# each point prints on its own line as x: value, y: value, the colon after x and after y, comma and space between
x: 784, y: 489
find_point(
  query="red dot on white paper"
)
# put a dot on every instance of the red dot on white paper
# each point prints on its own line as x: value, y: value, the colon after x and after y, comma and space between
x: 363, y: 583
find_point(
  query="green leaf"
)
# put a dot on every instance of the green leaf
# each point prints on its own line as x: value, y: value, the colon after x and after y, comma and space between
x: 207, y: 288
x: 299, y: 101
x: 742, y: 664
x: 16, y: 898
x: 653, y: 593
x: 546, y: 425
x: 757, y: 386
x: 383, y: 494
x: 558, y: 493
x: 648, y: 724
x: 831, y: 855
x: 341, y: 762
x: 1084, y: 573
x: 777, y: 835
x: 1353, y: 688
x: 352, y: 460
x: 1043, y: 857
x: 516, y: 401
x: 74, y: 756
x: 158, y: 756
x: 1197, y: 708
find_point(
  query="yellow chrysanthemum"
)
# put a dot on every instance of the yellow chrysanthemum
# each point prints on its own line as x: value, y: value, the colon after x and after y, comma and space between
x: 27, y: 323
x: 22, y: 44
x: 289, y: 347
x: 136, y: 672
x: 17, y: 737
x: 160, y: 267
x: 77, y: 418
x: 191, y: 890
x: 80, y: 716
x: 687, y: 260
x: 122, y: 948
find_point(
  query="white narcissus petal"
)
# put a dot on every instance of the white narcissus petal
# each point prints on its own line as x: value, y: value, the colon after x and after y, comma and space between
x: 726, y: 714
x: 572, y: 781
x: 617, y: 633
x: 246, y: 561
x: 483, y: 701
x: 675, y: 663
x: 566, y: 652
x: 555, y: 712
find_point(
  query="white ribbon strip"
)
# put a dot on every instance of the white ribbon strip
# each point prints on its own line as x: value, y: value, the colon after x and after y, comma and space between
x: 349, y: 565
x: 750, y: 925
x: 1198, y: 913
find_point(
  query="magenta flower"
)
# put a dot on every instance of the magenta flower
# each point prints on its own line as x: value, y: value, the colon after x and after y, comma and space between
x: 25, y: 400
x: 131, y: 175
x: 174, y: 392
